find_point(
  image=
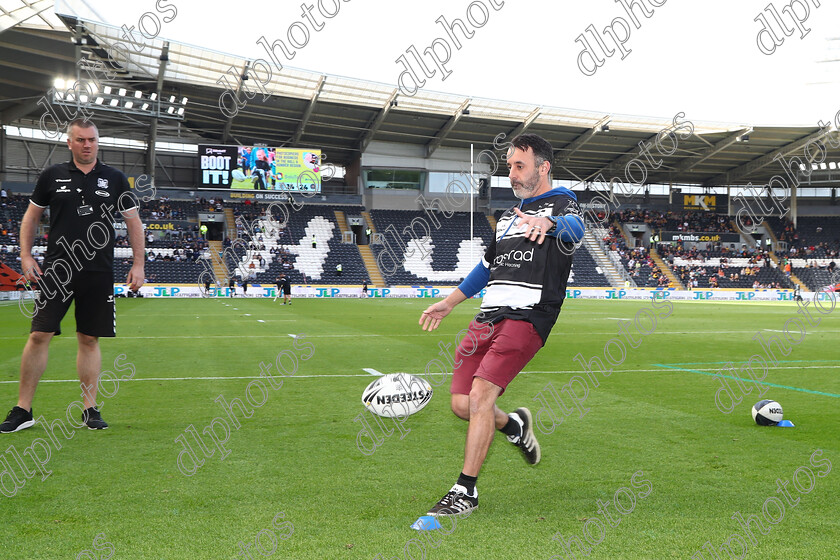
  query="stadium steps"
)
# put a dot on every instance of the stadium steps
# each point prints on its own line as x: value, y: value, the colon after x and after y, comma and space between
x: 793, y: 278
x: 627, y: 240
x: 219, y: 270
x: 346, y: 233
x: 602, y: 260
x: 492, y: 221
x: 665, y: 269
x: 771, y: 234
x: 370, y: 224
x: 342, y: 222
x: 373, y: 271
x: 230, y: 224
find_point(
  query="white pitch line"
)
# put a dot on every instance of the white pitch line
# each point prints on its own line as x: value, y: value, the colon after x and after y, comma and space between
x: 228, y: 378
x: 318, y: 376
x: 260, y: 321
x: 373, y: 371
x: 355, y: 335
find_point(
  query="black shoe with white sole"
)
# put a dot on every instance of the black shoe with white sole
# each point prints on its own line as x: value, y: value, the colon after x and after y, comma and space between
x: 18, y: 419
x: 93, y: 419
x: 456, y: 502
x: 526, y: 441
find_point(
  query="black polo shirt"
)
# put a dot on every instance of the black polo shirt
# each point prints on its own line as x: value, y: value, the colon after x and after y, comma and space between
x: 85, y: 242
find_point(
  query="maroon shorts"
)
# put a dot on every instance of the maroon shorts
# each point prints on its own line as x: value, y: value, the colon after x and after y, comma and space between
x: 496, y: 353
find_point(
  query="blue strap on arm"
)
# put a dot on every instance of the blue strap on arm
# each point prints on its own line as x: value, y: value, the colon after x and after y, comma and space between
x: 475, y: 280
x: 569, y: 228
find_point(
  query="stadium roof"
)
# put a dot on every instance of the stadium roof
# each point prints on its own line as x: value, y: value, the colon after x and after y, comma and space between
x: 343, y: 115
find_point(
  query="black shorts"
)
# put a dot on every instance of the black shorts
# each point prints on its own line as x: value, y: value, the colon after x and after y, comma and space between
x: 96, y: 313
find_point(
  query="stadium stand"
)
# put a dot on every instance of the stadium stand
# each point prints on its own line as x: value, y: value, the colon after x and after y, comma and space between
x: 815, y: 277
x: 636, y: 261
x: 585, y: 271
x: 443, y: 254
x: 447, y: 250
x: 814, y: 237
x: 175, y: 255
x: 290, y: 249
x: 812, y: 246
x: 745, y: 269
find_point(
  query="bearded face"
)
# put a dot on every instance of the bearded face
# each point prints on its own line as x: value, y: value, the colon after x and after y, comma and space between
x: 526, y: 187
x: 524, y: 173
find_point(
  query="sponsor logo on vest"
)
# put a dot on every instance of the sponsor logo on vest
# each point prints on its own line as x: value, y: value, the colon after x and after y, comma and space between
x: 514, y: 258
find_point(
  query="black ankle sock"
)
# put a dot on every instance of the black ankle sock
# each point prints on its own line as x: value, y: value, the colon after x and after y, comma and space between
x: 468, y: 482
x: 512, y: 428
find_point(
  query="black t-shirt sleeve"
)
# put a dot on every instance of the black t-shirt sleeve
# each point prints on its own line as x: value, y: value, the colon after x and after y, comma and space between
x: 41, y: 195
x: 125, y: 202
x: 490, y: 253
x: 566, y: 205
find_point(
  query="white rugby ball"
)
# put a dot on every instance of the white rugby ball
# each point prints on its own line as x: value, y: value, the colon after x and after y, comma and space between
x: 397, y: 395
x: 767, y: 413
x: 238, y: 174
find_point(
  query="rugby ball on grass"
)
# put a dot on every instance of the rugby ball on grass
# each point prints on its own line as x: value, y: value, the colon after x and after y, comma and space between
x: 238, y: 174
x: 397, y: 395
x: 767, y: 413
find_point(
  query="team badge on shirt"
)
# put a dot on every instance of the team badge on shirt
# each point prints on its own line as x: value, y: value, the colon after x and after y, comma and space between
x: 102, y: 183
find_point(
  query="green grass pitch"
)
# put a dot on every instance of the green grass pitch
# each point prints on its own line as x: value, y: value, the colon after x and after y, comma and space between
x: 120, y: 492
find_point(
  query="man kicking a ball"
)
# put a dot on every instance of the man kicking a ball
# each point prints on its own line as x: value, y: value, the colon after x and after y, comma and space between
x: 526, y: 284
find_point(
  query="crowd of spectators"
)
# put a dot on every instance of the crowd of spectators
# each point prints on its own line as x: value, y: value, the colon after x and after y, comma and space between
x: 163, y: 209
x: 654, y: 218
x: 181, y: 252
x: 12, y: 207
x: 211, y: 205
x: 637, y: 261
x: 701, y: 275
x: 800, y: 246
x: 694, y: 221
x: 669, y: 251
x: 722, y: 276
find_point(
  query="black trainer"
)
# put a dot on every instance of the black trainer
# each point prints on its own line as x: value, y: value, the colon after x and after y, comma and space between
x: 18, y: 419
x: 456, y: 502
x: 526, y: 442
x: 93, y: 420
